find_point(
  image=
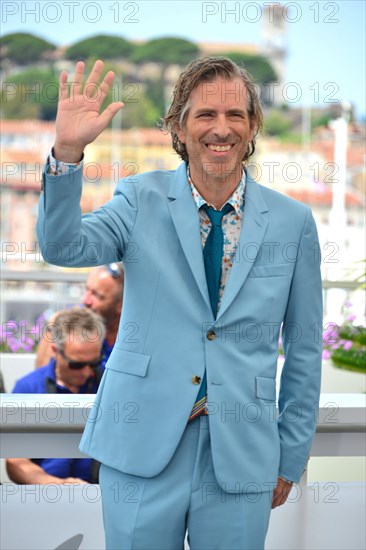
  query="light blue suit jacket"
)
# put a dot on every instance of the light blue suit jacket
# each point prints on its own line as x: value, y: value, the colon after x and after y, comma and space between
x: 147, y: 392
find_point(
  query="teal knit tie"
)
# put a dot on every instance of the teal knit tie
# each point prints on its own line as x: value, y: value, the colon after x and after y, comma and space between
x: 212, y: 257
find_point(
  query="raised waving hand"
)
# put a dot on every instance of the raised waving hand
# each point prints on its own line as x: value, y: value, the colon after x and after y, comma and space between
x: 79, y: 120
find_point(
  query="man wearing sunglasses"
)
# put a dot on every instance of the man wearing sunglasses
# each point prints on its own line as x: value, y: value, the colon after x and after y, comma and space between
x: 103, y: 294
x: 77, y: 336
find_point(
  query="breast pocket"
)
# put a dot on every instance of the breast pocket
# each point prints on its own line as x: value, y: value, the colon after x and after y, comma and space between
x: 128, y: 362
x: 271, y: 270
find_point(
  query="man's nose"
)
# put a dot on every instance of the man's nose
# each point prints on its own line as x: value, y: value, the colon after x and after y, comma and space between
x: 87, y: 371
x: 87, y: 301
x: 221, y: 129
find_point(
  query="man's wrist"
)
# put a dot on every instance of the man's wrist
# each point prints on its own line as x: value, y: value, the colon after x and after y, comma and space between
x: 57, y: 167
x: 286, y: 480
x: 66, y: 154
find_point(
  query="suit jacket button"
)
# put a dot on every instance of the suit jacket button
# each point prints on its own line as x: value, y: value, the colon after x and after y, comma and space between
x: 196, y: 379
x: 211, y: 335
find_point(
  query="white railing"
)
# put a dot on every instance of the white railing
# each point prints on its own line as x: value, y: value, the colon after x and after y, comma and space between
x: 341, y: 278
x: 50, y: 425
x: 317, y: 516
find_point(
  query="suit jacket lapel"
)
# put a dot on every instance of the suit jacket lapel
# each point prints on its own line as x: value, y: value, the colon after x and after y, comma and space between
x: 251, y: 236
x: 186, y: 221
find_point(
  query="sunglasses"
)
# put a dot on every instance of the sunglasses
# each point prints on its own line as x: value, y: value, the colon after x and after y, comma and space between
x: 77, y: 365
x: 114, y: 270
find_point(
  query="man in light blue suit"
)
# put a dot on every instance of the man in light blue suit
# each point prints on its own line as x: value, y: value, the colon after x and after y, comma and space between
x: 185, y: 421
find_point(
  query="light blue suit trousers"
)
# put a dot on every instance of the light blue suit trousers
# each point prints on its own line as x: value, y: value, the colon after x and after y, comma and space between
x: 154, y: 513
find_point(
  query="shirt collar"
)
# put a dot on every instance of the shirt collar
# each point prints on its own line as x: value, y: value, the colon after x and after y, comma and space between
x: 236, y: 199
x: 51, y: 369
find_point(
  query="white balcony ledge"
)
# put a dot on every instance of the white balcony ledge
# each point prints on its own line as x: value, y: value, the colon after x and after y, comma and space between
x: 317, y: 516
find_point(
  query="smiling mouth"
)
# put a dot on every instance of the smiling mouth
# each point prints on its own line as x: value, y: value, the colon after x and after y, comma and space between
x: 220, y: 148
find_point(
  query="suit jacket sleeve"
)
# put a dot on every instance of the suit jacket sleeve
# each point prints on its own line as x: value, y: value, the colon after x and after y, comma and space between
x: 68, y: 238
x: 302, y: 344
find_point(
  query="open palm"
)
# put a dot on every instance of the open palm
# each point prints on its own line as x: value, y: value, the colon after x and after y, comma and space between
x: 79, y: 120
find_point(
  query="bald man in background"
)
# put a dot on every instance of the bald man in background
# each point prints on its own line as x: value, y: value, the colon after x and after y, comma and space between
x: 103, y: 294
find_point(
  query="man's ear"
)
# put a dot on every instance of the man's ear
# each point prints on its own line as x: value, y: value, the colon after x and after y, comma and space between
x: 180, y: 133
x: 252, y: 132
x: 54, y: 349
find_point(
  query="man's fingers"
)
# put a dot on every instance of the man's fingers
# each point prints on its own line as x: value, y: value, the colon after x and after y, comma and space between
x: 280, y: 495
x: 63, y: 91
x: 105, y: 86
x: 91, y: 84
x: 77, y: 79
x: 108, y: 113
x: 91, y: 88
x: 76, y: 83
x: 277, y: 500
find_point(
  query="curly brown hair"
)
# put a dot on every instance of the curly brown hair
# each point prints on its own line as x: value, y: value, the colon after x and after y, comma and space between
x: 208, y: 69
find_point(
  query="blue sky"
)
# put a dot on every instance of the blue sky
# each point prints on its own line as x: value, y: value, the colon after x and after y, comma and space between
x: 325, y: 40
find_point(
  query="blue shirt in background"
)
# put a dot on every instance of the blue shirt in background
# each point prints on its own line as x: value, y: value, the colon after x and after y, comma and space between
x: 43, y: 380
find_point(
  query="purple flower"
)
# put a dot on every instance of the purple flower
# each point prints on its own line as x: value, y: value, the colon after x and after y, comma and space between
x: 17, y: 337
x: 330, y: 334
x: 13, y: 344
x: 347, y: 345
x: 326, y: 354
x: 9, y: 328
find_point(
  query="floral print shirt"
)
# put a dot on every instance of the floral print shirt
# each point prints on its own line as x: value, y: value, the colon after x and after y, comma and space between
x: 231, y: 226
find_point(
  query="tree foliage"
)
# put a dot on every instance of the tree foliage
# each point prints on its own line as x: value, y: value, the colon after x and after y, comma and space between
x: 155, y: 92
x: 100, y: 46
x: 256, y: 65
x: 32, y: 93
x: 277, y: 123
x: 166, y: 51
x: 23, y: 48
x: 321, y: 121
x: 142, y: 113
